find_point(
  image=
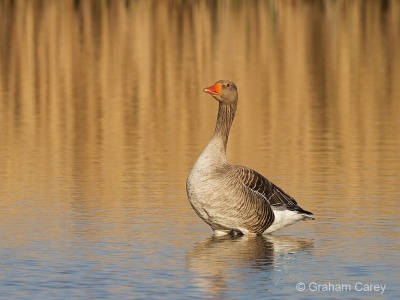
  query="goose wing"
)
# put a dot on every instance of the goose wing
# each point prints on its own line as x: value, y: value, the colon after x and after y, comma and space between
x: 273, y: 195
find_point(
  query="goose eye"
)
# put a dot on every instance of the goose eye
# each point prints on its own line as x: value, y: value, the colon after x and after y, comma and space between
x: 228, y: 85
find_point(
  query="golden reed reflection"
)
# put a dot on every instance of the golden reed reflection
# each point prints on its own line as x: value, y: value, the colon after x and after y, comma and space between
x: 97, y: 94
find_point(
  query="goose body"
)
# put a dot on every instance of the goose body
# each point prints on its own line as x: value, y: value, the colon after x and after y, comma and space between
x: 233, y: 198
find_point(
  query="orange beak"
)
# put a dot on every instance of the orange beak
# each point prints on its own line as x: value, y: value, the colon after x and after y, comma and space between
x: 214, y: 89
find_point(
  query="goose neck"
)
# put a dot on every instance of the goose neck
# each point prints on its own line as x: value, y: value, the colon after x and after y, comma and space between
x: 226, y: 114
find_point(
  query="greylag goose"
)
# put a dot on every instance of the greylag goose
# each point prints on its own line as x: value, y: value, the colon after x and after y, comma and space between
x: 233, y: 198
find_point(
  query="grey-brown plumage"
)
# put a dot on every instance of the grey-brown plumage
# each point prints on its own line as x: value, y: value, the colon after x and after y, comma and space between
x: 231, y: 197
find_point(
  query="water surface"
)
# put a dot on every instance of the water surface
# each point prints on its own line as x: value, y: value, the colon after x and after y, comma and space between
x: 102, y: 116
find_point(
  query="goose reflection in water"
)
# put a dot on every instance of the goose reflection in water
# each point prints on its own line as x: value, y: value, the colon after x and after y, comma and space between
x: 215, y: 259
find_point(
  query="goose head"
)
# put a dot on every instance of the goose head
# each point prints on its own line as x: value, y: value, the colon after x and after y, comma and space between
x: 224, y: 91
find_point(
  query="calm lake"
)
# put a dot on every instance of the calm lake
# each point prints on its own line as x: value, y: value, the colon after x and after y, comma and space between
x: 102, y: 117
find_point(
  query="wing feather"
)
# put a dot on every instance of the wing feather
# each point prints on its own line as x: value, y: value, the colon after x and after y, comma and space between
x: 273, y: 195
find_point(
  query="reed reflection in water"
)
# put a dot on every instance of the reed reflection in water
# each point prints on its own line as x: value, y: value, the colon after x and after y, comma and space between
x: 102, y: 116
